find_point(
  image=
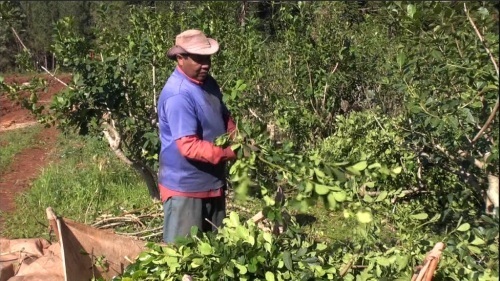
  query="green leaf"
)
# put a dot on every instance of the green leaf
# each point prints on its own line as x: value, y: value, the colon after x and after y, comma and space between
x: 320, y: 174
x: 252, y: 267
x: 396, y: 170
x: 243, y: 269
x: 374, y: 165
x: 370, y: 184
x: 287, y: 259
x: 410, y: 10
x: 269, y: 276
x: 267, y: 237
x: 234, y: 218
x: 197, y: 262
x: 339, y: 196
x: 194, y: 230
x: 383, y: 261
x: 205, y: 249
x: 401, y: 58
x: 402, y: 262
x: 474, y: 249
x: 464, y: 227
x: 382, y: 196
x: 477, y: 241
x: 353, y: 171
x: 332, y: 202
x: 421, y: 216
x: 360, y: 166
x: 364, y: 217
x: 321, y: 189
x: 321, y: 247
x: 339, y: 175
x: 309, y: 187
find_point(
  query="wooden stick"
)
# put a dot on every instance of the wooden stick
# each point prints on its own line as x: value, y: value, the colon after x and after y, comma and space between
x: 257, y: 217
x: 51, y: 217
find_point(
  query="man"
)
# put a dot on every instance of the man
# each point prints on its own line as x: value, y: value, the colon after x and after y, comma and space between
x: 191, y: 116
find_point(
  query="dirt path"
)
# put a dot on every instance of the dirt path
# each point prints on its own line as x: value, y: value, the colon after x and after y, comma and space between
x: 28, y: 163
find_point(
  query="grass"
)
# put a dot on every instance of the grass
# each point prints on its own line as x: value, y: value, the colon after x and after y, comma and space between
x: 12, y: 142
x: 84, y: 182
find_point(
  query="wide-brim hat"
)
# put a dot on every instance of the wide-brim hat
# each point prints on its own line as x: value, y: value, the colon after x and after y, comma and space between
x: 193, y: 41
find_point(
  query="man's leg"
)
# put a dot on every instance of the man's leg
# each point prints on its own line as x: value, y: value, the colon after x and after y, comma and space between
x: 180, y: 214
x: 214, y: 209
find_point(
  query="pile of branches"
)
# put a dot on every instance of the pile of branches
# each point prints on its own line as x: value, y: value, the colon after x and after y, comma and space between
x: 146, y: 223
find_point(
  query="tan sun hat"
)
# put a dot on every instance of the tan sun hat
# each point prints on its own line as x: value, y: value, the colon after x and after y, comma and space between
x: 193, y: 41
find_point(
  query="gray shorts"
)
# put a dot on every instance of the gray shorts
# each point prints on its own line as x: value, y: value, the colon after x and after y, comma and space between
x: 181, y: 213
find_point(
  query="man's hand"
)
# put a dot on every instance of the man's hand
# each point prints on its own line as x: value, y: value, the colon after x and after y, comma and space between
x: 244, y: 150
x: 222, y: 140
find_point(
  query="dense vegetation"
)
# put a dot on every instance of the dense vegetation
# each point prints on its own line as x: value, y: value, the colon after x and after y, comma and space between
x: 382, y: 110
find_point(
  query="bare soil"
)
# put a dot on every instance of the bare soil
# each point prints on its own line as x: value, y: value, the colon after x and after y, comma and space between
x: 28, y: 163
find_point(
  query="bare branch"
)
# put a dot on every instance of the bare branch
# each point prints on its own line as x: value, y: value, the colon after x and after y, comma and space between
x: 481, y: 38
x: 154, y: 85
x: 464, y: 154
x: 20, y: 41
x: 57, y: 79
x: 487, y: 123
x: 255, y: 115
x: 211, y: 223
x: 27, y: 50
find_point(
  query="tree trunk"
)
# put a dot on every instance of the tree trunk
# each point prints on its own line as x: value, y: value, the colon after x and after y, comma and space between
x: 148, y: 175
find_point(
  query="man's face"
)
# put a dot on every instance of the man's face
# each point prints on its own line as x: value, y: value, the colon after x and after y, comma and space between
x: 195, y: 66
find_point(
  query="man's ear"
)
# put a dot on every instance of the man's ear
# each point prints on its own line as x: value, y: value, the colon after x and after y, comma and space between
x: 180, y: 60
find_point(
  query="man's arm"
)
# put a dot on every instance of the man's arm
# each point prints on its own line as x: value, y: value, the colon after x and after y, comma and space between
x: 194, y: 148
